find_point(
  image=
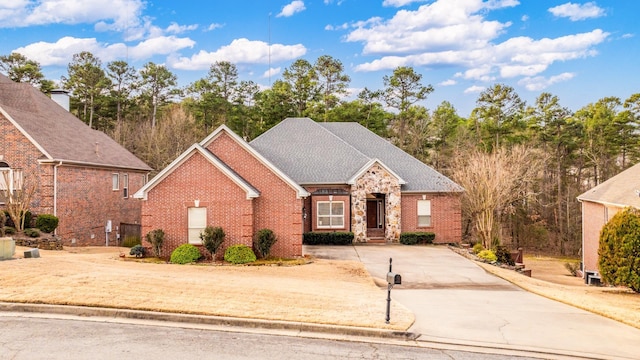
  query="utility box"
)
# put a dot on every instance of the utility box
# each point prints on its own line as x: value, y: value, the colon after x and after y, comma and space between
x: 32, y: 253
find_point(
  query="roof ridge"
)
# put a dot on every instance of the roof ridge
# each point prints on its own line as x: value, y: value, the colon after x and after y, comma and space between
x: 341, y: 139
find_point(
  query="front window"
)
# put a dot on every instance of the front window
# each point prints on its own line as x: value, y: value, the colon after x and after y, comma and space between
x: 10, y: 179
x: 424, y: 213
x: 197, y: 223
x: 330, y: 214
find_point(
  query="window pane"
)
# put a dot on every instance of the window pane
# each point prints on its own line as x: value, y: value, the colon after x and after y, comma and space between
x: 324, y: 221
x: 424, y: 220
x: 424, y: 207
x: 337, y: 208
x: 194, y: 236
x: 197, y: 217
x: 115, y: 178
x: 337, y: 221
x: 4, y: 173
x: 323, y: 208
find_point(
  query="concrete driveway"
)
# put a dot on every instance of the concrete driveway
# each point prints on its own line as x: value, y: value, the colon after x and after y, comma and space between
x: 456, y: 301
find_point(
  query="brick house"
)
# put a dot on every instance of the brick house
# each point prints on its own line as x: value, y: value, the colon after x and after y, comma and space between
x: 600, y: 204
x: 297, y: 177
x: 80, y: 175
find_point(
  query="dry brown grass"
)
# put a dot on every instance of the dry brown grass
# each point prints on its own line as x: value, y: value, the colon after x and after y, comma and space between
x: 550, y: 279
x: 324, y: 291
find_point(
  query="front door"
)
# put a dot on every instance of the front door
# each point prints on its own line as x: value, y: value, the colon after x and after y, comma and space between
x: 375, y: 216
x: 372, y: 214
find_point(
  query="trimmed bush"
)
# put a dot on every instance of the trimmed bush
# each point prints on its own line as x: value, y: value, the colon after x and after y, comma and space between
x: 184, y: 254
x: 487, y: 255
x: 138, y: 251
x: 503, y: 255
x: 239, y: 254
x: 477, y: 248
x: 327, y: 238
x: 47, y: 223
x: 419, y: 237
x: 131, y: 241
x: 155, y: 238
x: 263, y: 241
x: 619, y: 250
x: 212, y: 238
x: 34, y: 233
x: 8, y: 230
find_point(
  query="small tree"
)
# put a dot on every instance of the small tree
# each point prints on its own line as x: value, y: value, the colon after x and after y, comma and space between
x: 17, y: 196
x: 155, y: 238
x: 212, y: 238
x: 263, y: 241
x: 619, y: 250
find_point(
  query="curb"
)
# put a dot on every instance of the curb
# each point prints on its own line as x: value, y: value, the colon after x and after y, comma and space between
x: 87, y: 311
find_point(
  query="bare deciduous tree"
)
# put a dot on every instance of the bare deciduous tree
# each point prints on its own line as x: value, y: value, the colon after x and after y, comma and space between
x: 493, y: 183
x: 17, y: 197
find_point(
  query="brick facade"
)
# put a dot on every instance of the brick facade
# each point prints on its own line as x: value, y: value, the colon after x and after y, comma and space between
x: 82, y: 198
x: 277, y: 208
x: 446, y: 216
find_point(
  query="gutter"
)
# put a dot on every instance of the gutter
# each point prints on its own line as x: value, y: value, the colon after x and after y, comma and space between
x: 55, y: 191
x: 90, y: 164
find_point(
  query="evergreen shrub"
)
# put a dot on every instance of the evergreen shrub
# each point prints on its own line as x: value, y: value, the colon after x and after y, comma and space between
x: 46, y: 222
x: 619, y: 250
x: 418, y: 237
x: 239, y: 254
x: 327, y: 238
x: 184, y: 254
x: 263, y: 241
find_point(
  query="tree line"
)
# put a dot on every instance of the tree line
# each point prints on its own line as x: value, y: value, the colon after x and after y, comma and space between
x: 522, y: 165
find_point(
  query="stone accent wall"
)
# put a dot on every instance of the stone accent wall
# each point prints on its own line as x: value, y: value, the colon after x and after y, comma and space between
x: 44, y: 243
x: 376, y: 180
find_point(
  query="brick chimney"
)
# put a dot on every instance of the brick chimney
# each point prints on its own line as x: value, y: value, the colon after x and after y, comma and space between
x: 61, y: 97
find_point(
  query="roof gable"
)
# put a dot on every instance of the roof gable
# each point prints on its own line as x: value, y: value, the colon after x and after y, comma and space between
x: 251, y: 191
x: 57, y: 134
x: 368, y: 166
x: 621, y: 190
x: 300, y: 191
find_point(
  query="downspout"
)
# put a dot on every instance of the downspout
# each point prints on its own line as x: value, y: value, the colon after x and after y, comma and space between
x: 55, y: 192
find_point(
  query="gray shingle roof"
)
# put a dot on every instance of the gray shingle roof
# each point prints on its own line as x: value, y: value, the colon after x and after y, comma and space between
x: 331, y: 153
x: 61, y: 135
x: 621, y: 190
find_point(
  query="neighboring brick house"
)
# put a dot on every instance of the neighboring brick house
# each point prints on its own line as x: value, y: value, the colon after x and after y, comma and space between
x: 600, y: 204
x: 300, y: 176
x: 81, y: 175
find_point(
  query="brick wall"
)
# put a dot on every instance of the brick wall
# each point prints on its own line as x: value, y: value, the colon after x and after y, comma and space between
x: 446, y: 218
x: 227, y: 205
x: 310, y: 205
x: 277, y: 208
x: 86, y: 200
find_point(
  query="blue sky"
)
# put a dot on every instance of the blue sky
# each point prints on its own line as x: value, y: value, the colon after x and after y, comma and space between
x: 581, y: 51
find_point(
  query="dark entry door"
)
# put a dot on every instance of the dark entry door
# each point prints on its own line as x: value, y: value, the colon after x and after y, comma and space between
x: 372, y: 214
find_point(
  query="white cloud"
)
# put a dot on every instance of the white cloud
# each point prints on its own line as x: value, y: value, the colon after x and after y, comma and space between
x: 449, y: 82
x: 524, y: 18
x: 295, y: 6
x: 113, y: 14
x: 214, y: 26
x: 474, y: 89
x: 175, y: 28
x: 576, y: 12
x: 241, y: 51
x: 627, y: 36
x: 271, y: 72
x: 399, y: 3
x: 539, y: 83
x: 61, y: 52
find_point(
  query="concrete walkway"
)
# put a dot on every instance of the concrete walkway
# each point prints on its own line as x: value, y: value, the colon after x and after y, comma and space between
x: 456, y: 301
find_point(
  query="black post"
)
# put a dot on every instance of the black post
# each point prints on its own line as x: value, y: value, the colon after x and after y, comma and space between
x: 389, y: 286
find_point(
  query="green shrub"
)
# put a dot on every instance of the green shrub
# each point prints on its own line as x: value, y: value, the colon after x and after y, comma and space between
x: 212, y: 238
x: 47, y: 222
x: 619, y: 250
x: 8, y: 230
x: 155, y: 238
x: 419, y: 237
x: 477, y: 248
x: 184, y: 254
x: 503, y: 255
x: 34, y: 233
x: 327, y: 238
x: 239, y: 254
x: 131, y: 241
x: 28, y: 218
x: 263, y: 241
x: 138, y: 250
x: 487, y: 255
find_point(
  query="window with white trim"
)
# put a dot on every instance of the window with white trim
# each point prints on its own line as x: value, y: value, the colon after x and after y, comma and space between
x: 424, y: 213
x: 197, y: 223
x: 330, y: 214
x: 10, y: 179
x: 125, y: 185
x: 115, y: 182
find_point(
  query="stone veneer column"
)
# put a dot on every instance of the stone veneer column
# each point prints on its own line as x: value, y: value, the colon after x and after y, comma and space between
x: 376, y: 180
